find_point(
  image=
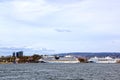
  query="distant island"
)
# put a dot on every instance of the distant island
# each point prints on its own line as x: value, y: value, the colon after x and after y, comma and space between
x: 92, y: 54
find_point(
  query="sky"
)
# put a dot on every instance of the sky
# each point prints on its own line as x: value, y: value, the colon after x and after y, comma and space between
x: 61, y: 25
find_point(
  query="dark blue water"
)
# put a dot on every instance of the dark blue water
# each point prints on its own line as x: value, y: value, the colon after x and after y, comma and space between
x: 59, y: 71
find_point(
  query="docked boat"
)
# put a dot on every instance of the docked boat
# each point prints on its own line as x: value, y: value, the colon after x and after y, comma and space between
x: 102, y: 60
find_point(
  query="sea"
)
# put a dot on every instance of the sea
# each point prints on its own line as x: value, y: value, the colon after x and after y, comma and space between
x: 60, y: 71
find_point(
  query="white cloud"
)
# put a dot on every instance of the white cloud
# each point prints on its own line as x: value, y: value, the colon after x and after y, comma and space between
x: 31, y: 10
x: 90, y: 23
x: 27, y: 10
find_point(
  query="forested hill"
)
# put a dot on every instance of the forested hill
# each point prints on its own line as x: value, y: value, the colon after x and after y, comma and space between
x: 92, y: 54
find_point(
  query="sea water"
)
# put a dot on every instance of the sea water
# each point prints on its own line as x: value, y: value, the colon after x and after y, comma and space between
x: 52, y: 71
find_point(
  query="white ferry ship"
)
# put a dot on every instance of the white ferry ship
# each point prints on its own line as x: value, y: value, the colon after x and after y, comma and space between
x: 102, y: 60
x: 65, y: 59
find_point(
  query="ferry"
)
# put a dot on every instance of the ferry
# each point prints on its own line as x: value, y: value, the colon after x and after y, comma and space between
x: 102, y: 60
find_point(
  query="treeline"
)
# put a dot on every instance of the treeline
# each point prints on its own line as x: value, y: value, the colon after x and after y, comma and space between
x: 22, y: 59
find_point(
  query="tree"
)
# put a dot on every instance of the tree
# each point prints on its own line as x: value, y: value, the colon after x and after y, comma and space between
x: 36, y: 57
x: 82, y: 60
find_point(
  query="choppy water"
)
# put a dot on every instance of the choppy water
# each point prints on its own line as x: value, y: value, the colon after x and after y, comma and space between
x: 59, y: 71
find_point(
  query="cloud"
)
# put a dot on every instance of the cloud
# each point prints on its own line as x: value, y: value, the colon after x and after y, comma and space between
x: 32, y: 10
x: 49, y: 23
x: 26, y: 50
x: 63, y: 30
x: 28, y: 10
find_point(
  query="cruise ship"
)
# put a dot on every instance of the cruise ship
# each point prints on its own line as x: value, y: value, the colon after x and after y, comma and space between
x: 102, y: 60
x: 65, y: 59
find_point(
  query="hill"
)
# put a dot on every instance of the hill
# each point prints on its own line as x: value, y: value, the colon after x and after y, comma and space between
x: 92, y: 54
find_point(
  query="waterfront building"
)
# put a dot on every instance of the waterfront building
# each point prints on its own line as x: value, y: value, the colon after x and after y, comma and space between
x: 13, y: 54
x: 19, y: 54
